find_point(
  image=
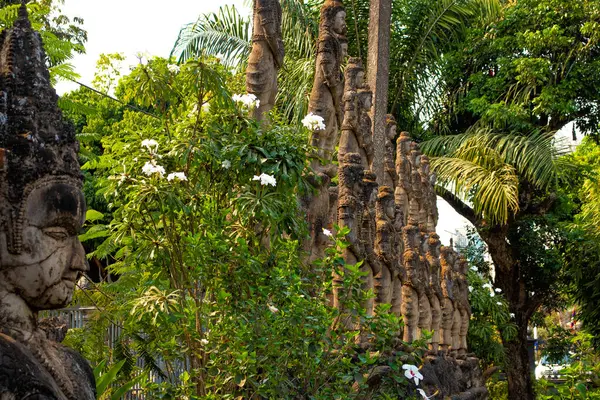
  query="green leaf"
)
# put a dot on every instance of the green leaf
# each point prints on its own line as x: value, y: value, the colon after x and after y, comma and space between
x: 93, y: 215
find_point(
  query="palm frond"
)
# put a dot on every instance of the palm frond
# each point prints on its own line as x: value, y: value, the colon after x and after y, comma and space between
x: 534, y: 156
x: 485, y: 182
x: 224, y: 34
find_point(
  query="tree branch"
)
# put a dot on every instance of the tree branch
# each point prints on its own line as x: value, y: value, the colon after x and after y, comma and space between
x: 459, y: 206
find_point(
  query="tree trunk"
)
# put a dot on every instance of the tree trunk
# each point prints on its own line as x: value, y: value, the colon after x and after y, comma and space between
x: 378, y: 70
x: 518, y: 372
x: 508, y: 278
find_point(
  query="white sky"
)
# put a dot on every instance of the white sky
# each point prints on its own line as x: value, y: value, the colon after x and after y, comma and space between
x: 131, y: 27
x: 152, y: 26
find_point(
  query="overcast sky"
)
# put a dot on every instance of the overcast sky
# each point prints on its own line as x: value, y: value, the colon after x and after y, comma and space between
x: 131, y: 27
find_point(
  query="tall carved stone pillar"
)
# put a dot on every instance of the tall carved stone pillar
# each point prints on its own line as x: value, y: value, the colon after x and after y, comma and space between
x: 325, y: 101
x: 390, y: 176
x: 403, y: 170
x: 350, y: 213
x: 437, y: 297
x: 463, y: 305
x: 371, y: 266
x: 385, y: 245
x: 412, y: 284
x: 266, y: 56
x: 447, y: 260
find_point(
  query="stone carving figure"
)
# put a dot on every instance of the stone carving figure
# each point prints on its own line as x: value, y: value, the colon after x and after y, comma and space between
x: 437, y: 296
x: 326, y: 95
x: 368, y: 229
x: 349, y: 137
x: 425, y: 292
x: 266, y: 56
x: 365, y: 97
x: 385, y: 244
x: 411, y: 282
x: 42, y: 209
x: 350, y: 213
x: 415, y: 194
x: 390, y: 176
x: 447, y: 260
x: 397, y: 268
x: 463, y: 304
x: 403, y: 171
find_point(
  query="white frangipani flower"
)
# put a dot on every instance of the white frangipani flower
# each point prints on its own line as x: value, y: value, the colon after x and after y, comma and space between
x: 424, y: 395
x: 412, y: 372
x: 492, y: 294
x: 247, y: 100
x: 327, y: 232
x: 314, y: 122
x: 487, y: 285
x: 470, y: 288
x: 512, y: 315
x: 173, y: 68
x: 204, y: 341
x: 151, y: 168
x: 498, y: 290
x: 499, y: 303
x: 265, y: 179
x: 226, y: 164
x: 150, y: 144
x: 177, y: 175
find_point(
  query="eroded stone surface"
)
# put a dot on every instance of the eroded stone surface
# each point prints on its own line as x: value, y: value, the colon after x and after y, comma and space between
x: 42, y: 209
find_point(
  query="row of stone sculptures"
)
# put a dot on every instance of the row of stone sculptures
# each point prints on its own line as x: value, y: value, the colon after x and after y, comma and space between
x: 392, y: 224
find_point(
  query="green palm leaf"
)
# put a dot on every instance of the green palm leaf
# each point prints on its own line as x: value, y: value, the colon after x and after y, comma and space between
x: 223, y: 34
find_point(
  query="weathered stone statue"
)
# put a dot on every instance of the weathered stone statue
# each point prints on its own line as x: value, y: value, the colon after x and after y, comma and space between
x: 463, y: 304
x: 350, y: 131
x: 415, y: 194
x: 425, y: 292
x: 403, y: 171
x: 365, y: 97
x: 397, y: 269
x: 385, y: 244
x: 447, y: 260
x: 42, y: 209
x: 371, y: 265
x: 457, y: 316
x: 350, y: 213
x: 390, y: 176
x: 436, y: 298
x: 266, y: 57
x: 326, y: 95
x: 411, y: 282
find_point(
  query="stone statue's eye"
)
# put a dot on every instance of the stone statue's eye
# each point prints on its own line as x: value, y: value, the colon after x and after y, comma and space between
x: 57, y: 233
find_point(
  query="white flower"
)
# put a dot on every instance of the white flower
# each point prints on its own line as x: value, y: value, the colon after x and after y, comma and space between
x: 327, y: 232
x: 173, y: 68
x: 424, y: 395
x: 487, y: 285
x: 499, y: 303
x: 265, y: 179
x: 474, y: 268
x: 492, y: 294
x: 247, y: 100
x: 177, y: 175
x: 273, y: 309
x: 204, y: 341
x: 412, y: 372
x: 470, y: 288
x: 151, y: 168
x: 226, y: 164
x: 150, y: 144
x: 512, y: 315
x: 498, y: 290
x: 314, y: 122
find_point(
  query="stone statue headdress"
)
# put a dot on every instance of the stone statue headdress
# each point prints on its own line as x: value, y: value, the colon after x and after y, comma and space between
x: 328, y: 12
x: 37, y: 147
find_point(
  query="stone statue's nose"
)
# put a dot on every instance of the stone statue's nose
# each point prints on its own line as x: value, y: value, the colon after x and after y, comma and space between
x: 78, y: 261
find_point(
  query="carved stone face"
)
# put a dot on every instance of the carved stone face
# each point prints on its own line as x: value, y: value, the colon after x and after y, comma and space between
x: 339, y: 22
x: 344, y: 47
x: 52, y: 258
x: 391, y: 133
